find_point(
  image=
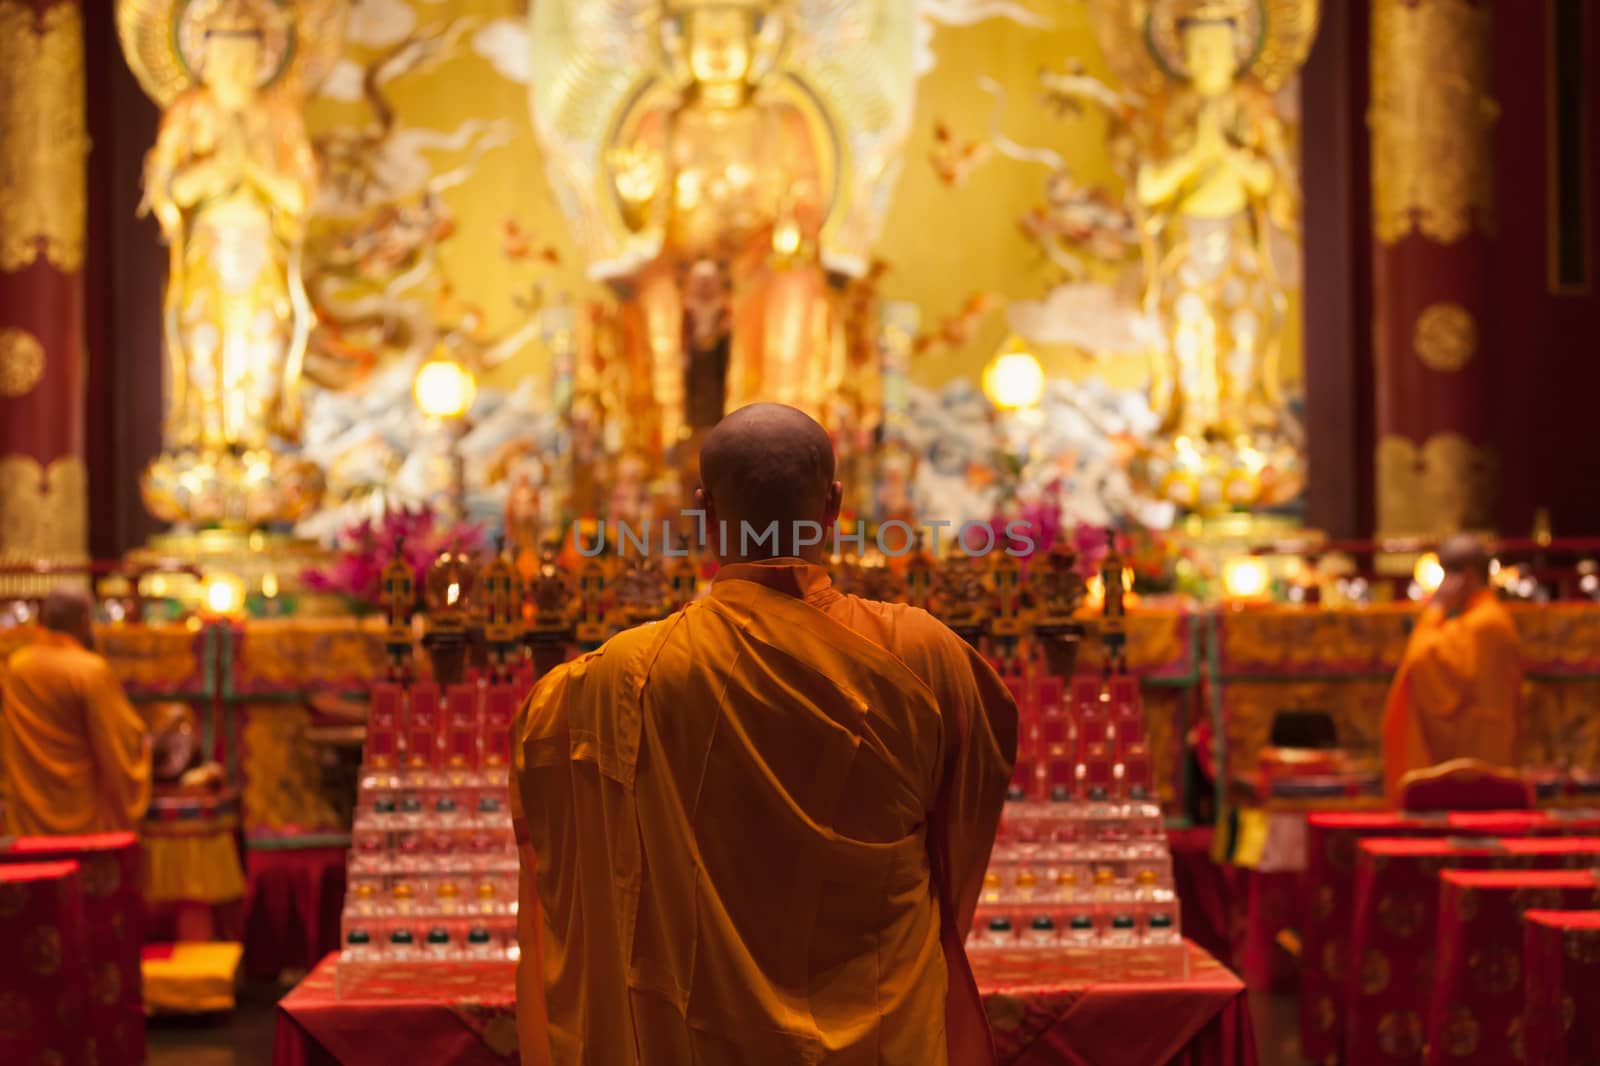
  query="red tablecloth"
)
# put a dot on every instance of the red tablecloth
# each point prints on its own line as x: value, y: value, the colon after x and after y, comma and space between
x: 113, y: 912
x: 1394, y: 922
x: 1205, y: 889
x: 464, y: 1015
x: 1475, y: 1013
x: 1561, y: 1009
x: 44, y: 965
x: 292, y: 909
x: 1327, y: 896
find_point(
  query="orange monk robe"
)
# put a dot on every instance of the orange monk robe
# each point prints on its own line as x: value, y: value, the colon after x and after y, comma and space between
x: 74, y: 756
x: 761, y: 828
x: 1457, y: 692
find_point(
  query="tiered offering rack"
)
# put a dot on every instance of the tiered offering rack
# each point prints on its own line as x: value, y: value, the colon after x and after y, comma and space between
x: 1081, y: 868
x: 433, y: 861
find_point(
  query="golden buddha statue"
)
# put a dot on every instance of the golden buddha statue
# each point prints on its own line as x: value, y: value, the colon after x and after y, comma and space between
x: 1212, y: 187
x: 726, y: 174
x: 230, y: 180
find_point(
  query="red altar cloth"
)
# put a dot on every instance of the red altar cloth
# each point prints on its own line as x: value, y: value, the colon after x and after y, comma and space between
x: 44, y: 983
x: 1475, y: 1013
x: 1327, y: 895
x: 293, y: 907
x: 1395, y: 918
x: 1561, y: 1010
x: 113, y: 915
x: 463, y: 1014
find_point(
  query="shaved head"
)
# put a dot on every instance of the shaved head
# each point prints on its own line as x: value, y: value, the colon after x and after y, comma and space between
x: 763, y: 464
x: 1465, y: 553
x: 70, y: 611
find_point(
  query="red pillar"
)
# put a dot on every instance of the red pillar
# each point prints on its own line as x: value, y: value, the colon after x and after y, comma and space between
x: 43, y: 146
x: 1432, y: 121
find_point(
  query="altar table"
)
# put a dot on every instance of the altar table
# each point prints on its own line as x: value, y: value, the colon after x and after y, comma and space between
x: 1392, y: 951
x: 1475, y: 1013
x: 1561, y: 1012
x: 464, y: 1014
x: 44, y: 980
x: 1327, y: 894
x: 109, y: 878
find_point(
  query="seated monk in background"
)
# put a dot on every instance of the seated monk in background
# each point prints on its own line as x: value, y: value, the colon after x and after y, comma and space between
x: 1459, y: 687
x: 74, y: 755
x: 759, y: 827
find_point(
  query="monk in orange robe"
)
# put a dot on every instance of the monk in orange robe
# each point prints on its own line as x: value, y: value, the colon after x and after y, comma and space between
x: 758, y: 828
x: 1459, y: 688
x: 74, y: 756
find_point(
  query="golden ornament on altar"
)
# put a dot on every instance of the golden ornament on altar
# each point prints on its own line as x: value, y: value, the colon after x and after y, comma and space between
x: 230, y: 181
x: 1215, y: 181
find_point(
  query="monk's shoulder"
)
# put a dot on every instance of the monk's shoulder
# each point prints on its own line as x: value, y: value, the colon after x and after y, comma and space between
x: 1492, y: 618
x: 912, y: 633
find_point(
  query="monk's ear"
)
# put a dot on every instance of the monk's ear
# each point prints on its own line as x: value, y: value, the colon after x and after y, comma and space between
x: 708, y: 516
x: 830, y: 508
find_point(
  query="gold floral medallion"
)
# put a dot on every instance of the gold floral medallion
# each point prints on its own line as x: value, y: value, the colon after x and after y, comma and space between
x: 21, y: 362
x: 1445, y: 337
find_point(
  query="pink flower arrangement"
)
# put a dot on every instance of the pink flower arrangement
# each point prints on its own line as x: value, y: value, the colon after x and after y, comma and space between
x: 366, y: 547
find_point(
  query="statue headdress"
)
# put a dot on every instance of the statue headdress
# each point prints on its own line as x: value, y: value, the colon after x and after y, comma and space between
x: 1142, y: 39
x: 165, y: 40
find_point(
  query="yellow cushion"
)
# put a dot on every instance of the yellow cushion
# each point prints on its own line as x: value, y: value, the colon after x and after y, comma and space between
x: 196, y: 978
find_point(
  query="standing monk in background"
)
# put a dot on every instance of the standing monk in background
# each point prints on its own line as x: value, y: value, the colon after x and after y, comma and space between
x: 74, y: 756
x: 761, y: 824
x: 1459, y: 688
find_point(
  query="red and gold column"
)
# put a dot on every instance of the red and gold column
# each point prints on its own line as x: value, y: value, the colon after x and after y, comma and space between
x: 44, y: 145
x: 1432, y: 121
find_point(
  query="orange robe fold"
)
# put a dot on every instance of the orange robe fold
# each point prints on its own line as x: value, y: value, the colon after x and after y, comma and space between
x: 761, y: 826
x: 74, y: 755
x: 1457, y: 694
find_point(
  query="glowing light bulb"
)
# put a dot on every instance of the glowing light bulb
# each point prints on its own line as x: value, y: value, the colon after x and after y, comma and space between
x: 1428, y: 573
x: 1245, y: 578
x: 1014, y: 380
x: 223, y: 595
x: 444, y: 389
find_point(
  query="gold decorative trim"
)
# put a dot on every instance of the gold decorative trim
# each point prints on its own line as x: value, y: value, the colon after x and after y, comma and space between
x: 1445, y: 337
x: 43, y: 507
x: 1432, y: 118
x: 44, y: 136
x: 21, y: 362
x: 1443, y: 486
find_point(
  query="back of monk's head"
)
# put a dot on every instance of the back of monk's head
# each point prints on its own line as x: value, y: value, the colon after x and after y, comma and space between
x: 1465, y: 554
x: 69, y: 611
x: 763, y: 464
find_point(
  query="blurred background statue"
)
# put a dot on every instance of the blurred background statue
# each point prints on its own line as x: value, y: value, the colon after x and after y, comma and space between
x: 230, y: 180
x: 1214, y: 181
x: 727, y: 170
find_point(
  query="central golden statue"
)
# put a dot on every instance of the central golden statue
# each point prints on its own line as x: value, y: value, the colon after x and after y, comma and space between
x: 230, y: 180
x: 726, y: 179
x: 726, y: 171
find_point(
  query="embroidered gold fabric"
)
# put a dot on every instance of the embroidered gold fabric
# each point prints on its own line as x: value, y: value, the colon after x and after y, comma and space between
x: 1432, y: 118
x: 1440, y: 487
x: 21, y: 362
x: 1445, y: 337
x: 44, y: 137
x: 283, y: 779
x: 42, y: 510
